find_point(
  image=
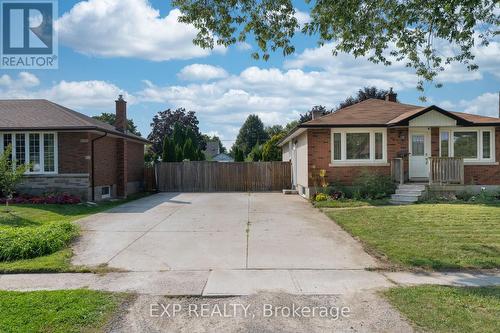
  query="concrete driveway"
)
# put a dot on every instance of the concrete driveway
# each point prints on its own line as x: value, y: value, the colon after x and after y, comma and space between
x: 217, y: 231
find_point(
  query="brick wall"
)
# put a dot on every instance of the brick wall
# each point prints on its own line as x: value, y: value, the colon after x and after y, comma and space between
x: 121, y: 167
x: 319, y: 156
x: 105, y: 161
x: 74, y: 152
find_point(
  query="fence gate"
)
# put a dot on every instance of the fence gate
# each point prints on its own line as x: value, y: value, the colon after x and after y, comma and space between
x: 206, y: 176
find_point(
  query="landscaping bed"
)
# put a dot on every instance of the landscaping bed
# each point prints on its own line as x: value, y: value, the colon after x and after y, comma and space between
x: 58, y: 311
x: 346, y: 203
x: 449, y: 309
x: 35, y: 237
x: 437, y: 236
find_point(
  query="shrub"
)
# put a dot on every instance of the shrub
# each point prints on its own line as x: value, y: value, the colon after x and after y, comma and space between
x: 464, y: 195
x: 321, y: 197
x: 29, y: 242
x: 373, y: 186
x: 62, y: 199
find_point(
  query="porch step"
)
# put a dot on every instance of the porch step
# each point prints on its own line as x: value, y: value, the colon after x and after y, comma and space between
x: 408, y: 193
x: 286, y: 191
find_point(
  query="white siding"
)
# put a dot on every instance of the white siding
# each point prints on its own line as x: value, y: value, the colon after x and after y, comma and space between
x: 432, y: 119
x: 302, y: 173
x: 285, y: 149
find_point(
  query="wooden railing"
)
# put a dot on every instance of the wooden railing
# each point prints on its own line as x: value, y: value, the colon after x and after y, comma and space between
x: 446, y: 170
x: 397, y: 170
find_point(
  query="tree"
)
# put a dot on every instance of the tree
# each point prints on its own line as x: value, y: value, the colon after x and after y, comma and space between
x: 251, y: 133
x: 164, y: 122
x: 238, y: 154
x: 274, y: 130
x: 362, y: 95
x: 189, y: 151
x: 255, y: 154
x: 271, y: 151
x: 168, y: 150
x: 291, y: 125
x: 308, y: 115
x: 10, y: 175
x: 110, y: 118
x: 386, y: 31
x: 179, y: 155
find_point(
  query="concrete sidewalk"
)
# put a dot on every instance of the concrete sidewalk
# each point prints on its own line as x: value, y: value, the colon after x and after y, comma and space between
x: 242, y: 282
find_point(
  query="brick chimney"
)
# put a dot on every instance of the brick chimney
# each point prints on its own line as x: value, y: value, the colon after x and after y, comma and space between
x: 121, y: 114
x: 316, y: 114
x: 391, y: 96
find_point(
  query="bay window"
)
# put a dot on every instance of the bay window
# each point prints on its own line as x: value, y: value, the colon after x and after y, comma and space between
x: 358, y: 146
x: 472, y: 144
x: 34, y: 148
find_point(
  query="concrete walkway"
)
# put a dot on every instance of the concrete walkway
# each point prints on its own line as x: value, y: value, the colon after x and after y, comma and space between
x: 242, y: 282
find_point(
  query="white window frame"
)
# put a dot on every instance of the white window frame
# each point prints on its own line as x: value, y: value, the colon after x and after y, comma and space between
x: 106, y: 196
x: 26, y: 150
x: 479, y: 131
x: 343, y: 142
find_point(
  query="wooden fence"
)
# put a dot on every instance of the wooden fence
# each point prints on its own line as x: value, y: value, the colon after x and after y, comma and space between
x: 149, y: 179
x: 446, y: 170
x: 223, y: 177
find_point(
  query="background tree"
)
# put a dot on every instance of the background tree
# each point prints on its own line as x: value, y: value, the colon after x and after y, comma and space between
x: 110, y: 118
x: 363, y: 95
x: 308, y: 115
x: 255, y: 154
x: 273, y: 130
x: 168, y: 150
x: 386, y: 31
x: 238, y: 154
x: 270, y: 150
x: 164, y: 122
x: 251, y: 133
x: 10, y: 175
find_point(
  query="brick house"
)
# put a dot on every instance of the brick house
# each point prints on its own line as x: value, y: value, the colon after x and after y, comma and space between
x: 71, y: 152
x: 411, y: 143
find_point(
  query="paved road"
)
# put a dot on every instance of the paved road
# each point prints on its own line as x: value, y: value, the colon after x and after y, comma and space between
x: 217, y: 231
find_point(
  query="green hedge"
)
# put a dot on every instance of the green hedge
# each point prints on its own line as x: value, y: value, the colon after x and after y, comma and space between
x: 25, y: 243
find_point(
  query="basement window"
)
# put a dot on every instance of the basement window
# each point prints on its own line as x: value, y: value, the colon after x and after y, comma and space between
x: 105, y: 192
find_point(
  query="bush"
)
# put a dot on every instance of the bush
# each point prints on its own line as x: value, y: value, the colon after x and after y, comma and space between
x: 321, y: 197
x: 29, y: 242
x: 61, y: 199
x: 373, y: 186
x: 465, y: 196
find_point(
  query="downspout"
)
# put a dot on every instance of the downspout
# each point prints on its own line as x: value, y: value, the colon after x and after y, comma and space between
x: 93, y: 166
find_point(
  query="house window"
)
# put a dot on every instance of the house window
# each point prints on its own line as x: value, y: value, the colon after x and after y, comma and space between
x: 472, y: 144
x: 105, y: 192
x: 362, y: 146
x: 445, y: 144
x: 34, y: 148
x: 358, y: 146
x: 337, y: 147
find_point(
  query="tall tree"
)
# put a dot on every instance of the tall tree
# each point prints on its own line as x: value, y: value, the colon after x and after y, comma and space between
x: 273, y: 130
x: 271, y: 151
x: 110, y: 118
x: 413, y: 32
x: 251, y: 133
x: 163, y: 125
x: 317, y: 108
x: 168, y: 150
x: 362, y: 95
x: 238, y: 154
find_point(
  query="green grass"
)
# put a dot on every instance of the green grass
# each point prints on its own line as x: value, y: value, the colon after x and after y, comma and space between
x: 57, y: 311
x: 27, y: 218
x: 438, y: 236
x: 449, y: 309
x: 346, y: 203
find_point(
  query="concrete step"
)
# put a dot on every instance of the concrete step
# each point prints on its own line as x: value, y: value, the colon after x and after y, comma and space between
x: 412, y: 187
x: 290, y: 192
x: 409, y: 192
x: 395, y: 202
x: 405, y: 198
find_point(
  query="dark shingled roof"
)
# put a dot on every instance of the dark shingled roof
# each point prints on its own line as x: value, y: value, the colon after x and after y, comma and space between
x: 41, y: 114
x: 375, y: 112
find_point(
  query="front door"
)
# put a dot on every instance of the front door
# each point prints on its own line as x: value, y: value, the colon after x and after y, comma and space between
x: 420, y: 149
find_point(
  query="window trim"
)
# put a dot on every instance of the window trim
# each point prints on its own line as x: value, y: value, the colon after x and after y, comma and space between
x: 479, y: 131
x: 106, y: 196
x: 41, y: 150
x: 343, y: 142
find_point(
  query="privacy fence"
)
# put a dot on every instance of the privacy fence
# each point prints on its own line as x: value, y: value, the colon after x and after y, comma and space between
x: 223, y: 177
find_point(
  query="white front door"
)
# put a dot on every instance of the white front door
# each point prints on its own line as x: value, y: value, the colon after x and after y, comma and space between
x: 420, y: 149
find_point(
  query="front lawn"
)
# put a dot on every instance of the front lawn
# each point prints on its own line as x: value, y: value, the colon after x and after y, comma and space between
x: 346, y: 203
x: 449, y: 309
x: 437, y: 236
x: 57, y: 311
x: 35, y: 237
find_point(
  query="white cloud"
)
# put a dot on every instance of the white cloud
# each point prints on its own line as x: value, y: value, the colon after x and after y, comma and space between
x: 302, y: 17
x: 128, y: 28
x: 484, y: 105
x: 243, y: 46
x: 201, y: 72
x: 73, y: 94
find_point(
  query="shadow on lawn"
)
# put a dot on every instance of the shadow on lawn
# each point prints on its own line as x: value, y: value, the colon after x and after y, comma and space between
x: 10, y: 219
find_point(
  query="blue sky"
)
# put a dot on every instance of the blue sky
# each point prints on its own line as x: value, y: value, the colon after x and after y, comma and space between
x: 138, y: 48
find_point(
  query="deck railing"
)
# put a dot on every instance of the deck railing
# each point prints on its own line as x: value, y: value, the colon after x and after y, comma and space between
x: 397, y: 170
x: 446, y: 170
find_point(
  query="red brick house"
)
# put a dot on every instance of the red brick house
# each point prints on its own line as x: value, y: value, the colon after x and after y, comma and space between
x: 411, y: 143
x: 71, y: 152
